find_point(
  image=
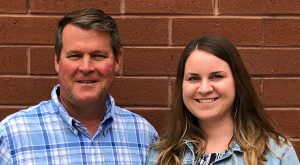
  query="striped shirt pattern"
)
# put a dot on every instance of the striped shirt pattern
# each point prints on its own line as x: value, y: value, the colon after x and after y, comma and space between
x: 46, y: 134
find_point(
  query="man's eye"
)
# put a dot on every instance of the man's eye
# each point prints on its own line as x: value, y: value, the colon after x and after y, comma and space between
x: 74, y: 56
x: 98, y: 56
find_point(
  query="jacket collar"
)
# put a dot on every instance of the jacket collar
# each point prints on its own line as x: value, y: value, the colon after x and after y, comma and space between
x: 234, y: 146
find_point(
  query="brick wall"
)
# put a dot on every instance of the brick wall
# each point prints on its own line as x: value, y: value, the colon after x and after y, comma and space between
x: 267, y: 33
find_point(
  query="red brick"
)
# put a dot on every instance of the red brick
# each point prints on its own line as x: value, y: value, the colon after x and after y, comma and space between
x: 4, y: 112
x: 282, y: 32
x: 54, y: 6
x: 296, y: 145
x: 272, y: 61
x: 25, y: 30
x: 169, y: 6
x: 281, y: 92
x: 143, y: 31
x: 256, y: 7
x: 257, y: 86
x: 141, y: 91
x: 239, y: 31
x: 13, y: 6
x: 25, y: 91
x: 150, y: 61
x: 13, y: 60
x: 42, y: 61
x: 173, y: 88
x: 286, y: 120
x: 156, y: 117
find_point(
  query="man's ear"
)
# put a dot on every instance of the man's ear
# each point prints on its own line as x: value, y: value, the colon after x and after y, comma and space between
x: 56, y: 63
x: 118, y: 61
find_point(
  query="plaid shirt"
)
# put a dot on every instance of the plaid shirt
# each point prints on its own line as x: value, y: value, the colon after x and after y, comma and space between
x: 46, y: 134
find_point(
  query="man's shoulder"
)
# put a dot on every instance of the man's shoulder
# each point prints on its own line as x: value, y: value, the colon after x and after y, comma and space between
x: 128, y: 115
x: 133, y: 125
x: 125, y: 116
x: 25, y: 114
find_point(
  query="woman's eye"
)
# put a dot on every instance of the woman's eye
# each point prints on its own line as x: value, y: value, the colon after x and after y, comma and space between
x: 193, y: 78
x: 216, y: 77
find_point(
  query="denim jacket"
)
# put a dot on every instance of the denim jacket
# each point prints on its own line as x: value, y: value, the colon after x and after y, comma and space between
x: 279, y: 155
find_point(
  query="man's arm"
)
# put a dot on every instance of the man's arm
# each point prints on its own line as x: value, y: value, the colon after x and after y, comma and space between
x: 5, y: 157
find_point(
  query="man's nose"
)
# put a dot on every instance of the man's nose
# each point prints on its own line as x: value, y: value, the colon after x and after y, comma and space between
x: 87, y: 64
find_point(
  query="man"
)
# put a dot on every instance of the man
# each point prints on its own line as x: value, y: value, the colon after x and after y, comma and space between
x: 81, y: 123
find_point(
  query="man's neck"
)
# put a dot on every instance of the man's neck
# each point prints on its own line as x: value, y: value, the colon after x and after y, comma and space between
x: 88, y: 114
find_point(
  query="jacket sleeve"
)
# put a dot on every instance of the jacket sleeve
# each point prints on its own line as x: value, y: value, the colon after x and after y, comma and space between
x: 151, y: 157
x: 289, y: 157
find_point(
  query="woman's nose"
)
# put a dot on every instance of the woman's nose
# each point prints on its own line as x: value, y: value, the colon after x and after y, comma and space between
x: 205, y: 87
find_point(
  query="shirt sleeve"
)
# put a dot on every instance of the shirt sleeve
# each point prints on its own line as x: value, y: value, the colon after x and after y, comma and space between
x: 5, y: 158
x: 155, y: 137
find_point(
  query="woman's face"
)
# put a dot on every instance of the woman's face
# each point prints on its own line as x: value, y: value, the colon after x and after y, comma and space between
x: 208, y: 87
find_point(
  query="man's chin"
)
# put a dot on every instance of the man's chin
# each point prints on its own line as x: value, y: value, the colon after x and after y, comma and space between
x: 88, y: 99
x: 90, y: 96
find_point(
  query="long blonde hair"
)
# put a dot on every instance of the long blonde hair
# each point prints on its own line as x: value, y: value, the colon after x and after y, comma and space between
x: 252, y: 128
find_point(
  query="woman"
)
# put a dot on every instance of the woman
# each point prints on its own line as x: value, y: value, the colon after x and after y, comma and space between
x: 217, y: 117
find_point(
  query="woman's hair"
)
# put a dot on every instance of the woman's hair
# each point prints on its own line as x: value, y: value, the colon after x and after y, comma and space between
x: 252, y: 128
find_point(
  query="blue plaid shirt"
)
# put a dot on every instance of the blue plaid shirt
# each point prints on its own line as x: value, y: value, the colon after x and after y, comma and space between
x: 46, y: 134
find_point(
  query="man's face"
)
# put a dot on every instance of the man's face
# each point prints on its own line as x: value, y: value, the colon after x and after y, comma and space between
x: 86, y: 67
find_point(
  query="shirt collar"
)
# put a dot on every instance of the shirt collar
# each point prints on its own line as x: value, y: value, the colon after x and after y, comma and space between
x: 59, y: 108
x: 106, y: 123
x: 235, y: 146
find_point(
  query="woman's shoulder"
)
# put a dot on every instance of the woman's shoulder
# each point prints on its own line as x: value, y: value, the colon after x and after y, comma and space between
x: 152, y: 156
x: 280, y: 146
x: 282, y: 150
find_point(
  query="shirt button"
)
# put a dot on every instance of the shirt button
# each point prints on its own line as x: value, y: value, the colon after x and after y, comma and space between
x: 75, y: 131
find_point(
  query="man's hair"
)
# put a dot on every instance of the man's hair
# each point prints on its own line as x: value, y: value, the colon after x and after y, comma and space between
x: 88, y: 19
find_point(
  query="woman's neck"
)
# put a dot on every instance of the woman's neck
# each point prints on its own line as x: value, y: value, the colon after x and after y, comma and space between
x: 219, y: 135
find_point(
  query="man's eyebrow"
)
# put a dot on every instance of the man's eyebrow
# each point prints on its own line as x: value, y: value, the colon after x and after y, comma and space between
x: 74, y: 52
x: 98, y: 51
